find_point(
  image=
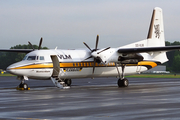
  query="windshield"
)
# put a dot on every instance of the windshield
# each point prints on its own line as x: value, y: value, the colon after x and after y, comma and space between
x: 31, y: 58
x: 25, y: 58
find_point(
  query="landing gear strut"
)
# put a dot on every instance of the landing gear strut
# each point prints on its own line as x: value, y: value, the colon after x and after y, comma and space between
x: 122, y: 82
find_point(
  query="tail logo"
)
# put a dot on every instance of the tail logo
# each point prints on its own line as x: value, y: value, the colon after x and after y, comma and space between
x: 157, y: 31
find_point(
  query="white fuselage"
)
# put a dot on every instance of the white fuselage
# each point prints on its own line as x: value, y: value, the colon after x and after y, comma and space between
x: 38, y: 65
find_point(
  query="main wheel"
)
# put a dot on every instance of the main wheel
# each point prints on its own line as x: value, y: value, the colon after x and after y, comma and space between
x: 123, y: 82
x: 68, y: 82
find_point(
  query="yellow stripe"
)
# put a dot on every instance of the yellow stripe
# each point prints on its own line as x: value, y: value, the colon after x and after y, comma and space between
x: 83, y: 64
x: 152, y: 64
x: 49, y: 65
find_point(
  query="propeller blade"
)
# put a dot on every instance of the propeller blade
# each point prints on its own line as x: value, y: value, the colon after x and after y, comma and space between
x: 87, y: 46
x: 94, y: 65
x: 40, y: 42
x: 97, y: 40
x: 103, y: 50
x: 31, y: 45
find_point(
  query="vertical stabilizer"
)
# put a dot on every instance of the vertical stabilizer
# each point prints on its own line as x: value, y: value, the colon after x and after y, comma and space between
x: 155, y: 36
x: 156, y: 29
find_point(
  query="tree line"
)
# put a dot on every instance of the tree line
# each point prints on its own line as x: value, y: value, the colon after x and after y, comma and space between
x: 173, y: 65
x: 8, y: 58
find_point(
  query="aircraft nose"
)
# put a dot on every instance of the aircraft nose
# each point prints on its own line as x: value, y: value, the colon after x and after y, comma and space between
x: 10, y: 69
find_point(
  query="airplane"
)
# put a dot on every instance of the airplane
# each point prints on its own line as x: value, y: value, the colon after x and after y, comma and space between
x: 61, y: 66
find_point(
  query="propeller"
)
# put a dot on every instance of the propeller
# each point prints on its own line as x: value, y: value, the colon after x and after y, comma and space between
x: 31, y: 45
x: 40, y: 43
x: 96, y: 59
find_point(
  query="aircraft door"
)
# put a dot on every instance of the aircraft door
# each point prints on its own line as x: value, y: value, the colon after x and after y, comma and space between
x: 56, y: 66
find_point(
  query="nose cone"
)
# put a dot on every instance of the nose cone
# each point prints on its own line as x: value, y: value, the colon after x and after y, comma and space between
x: 94, y: 54
x: 10, y: 69
x: 14, y: 68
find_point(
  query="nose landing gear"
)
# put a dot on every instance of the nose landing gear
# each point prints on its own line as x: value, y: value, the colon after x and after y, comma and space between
x: 22, y: 85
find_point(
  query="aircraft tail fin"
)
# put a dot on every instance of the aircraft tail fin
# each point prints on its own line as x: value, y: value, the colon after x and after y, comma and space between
x: 155, y: 35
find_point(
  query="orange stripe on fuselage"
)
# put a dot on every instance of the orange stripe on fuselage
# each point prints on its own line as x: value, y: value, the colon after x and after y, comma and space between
x: 82, y: 64
x: 150, y: 63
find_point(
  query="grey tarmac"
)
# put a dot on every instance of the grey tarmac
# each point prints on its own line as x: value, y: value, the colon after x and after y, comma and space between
x: 87, y: 99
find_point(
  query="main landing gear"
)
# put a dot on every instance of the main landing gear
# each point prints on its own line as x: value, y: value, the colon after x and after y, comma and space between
x: 122, y: 82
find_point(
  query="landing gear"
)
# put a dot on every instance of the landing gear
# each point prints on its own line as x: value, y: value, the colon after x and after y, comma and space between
x: 122, y: 82
x: 23, y: 86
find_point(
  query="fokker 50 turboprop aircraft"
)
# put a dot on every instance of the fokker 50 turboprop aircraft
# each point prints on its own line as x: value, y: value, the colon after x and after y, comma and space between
x: 63, y: 65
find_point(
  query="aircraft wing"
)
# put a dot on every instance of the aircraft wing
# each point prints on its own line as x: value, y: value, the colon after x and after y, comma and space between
x: 16, y: 50
x: 148, y: 49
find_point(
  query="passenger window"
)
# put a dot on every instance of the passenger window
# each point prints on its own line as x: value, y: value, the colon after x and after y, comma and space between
x: 41, y: 57
x: 31, y: 58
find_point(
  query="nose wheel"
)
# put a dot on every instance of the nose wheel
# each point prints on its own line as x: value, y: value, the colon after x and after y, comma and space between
x: 23, y: 86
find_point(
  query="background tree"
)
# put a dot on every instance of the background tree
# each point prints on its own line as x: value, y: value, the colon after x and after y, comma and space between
x: 173, y: 56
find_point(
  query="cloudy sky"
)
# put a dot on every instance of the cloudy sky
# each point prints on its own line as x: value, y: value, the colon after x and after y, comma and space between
x: 68, y: 23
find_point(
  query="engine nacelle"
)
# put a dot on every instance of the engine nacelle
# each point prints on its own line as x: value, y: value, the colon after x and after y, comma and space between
x: 130, y: 58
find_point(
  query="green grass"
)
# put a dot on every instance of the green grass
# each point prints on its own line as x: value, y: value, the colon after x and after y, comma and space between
x: 154, y: 76
x: 6, y: 74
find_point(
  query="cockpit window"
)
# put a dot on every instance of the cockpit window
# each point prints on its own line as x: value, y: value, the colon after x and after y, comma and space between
x: 31, y: 58
x: 25, y: 58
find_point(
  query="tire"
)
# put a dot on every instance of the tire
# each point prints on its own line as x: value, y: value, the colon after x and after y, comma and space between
x: 123, y: 83
x: 120, y: 83
x: 68, y: 82
x: 21, y: 85
x: 25, y: 86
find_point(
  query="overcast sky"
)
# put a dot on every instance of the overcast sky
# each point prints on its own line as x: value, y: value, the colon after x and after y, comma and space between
x: 68, y: 23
